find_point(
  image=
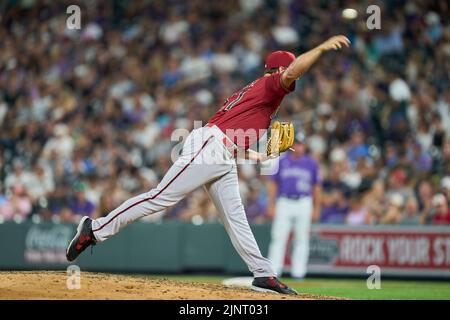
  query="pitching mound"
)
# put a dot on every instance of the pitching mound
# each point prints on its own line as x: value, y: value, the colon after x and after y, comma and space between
x: 53, y: 285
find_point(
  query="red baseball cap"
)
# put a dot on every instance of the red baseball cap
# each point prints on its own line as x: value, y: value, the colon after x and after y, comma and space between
x: 279, y: 59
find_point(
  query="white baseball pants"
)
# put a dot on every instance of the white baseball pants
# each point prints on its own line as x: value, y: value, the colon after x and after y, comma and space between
x: 205, y: 161
x: 291, y: 214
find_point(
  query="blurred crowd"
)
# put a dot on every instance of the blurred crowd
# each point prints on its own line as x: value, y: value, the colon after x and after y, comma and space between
x: 86, y: 115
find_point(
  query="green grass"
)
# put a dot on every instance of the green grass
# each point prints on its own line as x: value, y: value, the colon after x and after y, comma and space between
x: 355, y: 288
x: 390, y: 289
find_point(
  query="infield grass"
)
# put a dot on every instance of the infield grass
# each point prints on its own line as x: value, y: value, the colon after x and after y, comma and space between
x: 354, y: 288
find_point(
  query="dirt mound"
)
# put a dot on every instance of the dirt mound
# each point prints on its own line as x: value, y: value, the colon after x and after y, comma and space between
x: 53, y: 285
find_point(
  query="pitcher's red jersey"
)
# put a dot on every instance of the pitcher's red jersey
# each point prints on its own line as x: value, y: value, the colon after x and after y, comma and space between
x: 246, y: 115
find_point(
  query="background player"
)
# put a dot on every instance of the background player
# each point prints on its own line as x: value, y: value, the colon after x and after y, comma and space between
x: 294, y: 200
x: 208, y: 160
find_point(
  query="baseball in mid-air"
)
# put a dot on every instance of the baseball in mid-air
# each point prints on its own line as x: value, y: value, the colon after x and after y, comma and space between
x: 349, y: 13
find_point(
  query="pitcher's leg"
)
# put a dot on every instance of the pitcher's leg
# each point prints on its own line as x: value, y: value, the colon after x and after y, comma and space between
x: 224, y: 192
x: 300, y: 253
x: 183, y: 177
x: 281, y: 228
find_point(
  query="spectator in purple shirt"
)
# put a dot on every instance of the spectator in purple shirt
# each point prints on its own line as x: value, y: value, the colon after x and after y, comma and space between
x: 421, y: 161
x: 358, y: 148
x: 80, y: 205
x: 334, y: 207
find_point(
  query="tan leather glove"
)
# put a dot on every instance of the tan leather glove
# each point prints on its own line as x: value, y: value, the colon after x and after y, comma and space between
x: 281, y: 138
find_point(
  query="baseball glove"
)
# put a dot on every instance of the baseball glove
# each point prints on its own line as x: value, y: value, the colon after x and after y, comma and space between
x: 281, y: 138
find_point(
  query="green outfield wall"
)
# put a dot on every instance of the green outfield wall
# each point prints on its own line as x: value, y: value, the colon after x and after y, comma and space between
x: 175, y: 247
x: 141, y: 247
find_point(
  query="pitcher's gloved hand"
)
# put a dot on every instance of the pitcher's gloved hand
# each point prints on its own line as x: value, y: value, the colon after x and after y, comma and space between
x: 281, y: 138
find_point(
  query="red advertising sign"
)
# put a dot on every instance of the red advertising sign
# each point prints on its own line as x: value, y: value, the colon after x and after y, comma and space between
x: 421, y: 251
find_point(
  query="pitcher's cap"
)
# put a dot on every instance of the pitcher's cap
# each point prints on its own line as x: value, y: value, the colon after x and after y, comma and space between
x: 279, y: 59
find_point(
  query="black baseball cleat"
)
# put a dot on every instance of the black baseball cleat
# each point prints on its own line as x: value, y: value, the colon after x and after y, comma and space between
x: 271, y: 284
x: 83, y: 239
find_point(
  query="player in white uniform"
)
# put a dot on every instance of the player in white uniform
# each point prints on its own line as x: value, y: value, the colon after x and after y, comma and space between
x: 297, y: 188
x: 208, y: 160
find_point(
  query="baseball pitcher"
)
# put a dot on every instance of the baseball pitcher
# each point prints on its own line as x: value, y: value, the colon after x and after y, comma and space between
x: 294, y: 200
x: 208, y: 160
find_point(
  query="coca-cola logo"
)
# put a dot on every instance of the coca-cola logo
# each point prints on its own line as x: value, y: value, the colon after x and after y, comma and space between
x: 54, y: 238
x: 47, y: 245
